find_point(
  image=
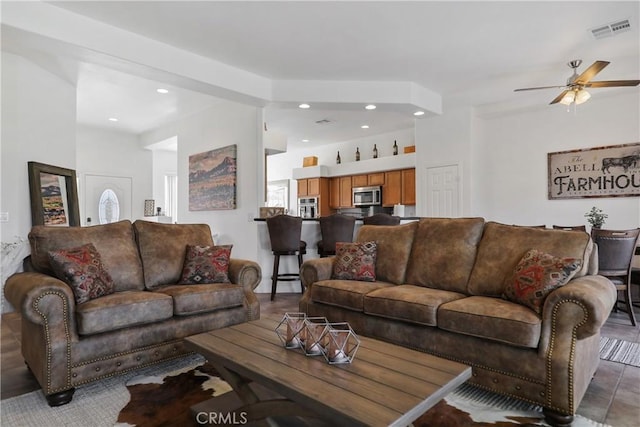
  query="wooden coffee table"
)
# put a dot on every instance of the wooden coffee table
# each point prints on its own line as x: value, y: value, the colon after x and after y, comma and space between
x: 385, y: 385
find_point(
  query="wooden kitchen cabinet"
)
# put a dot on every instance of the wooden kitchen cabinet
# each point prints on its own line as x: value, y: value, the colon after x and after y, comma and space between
x: 303, y: 187
x: 345, y: 192
x: 309, y: 187
x: 334, y: 193
x: 408, y: 186
x: 359, y: 181
x: 392, y: 188
x: 375, y: 178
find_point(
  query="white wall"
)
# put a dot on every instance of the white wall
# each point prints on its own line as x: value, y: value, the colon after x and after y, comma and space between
x: 511, y: 161
x: 105, y: 152
x: 164, y: 163
x: 219, y: 126
x: 279, y: 166
x: 38, y: 124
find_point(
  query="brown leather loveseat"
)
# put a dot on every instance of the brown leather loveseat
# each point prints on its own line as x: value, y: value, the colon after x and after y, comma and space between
x: 439, y: 288
x: 67, y: 344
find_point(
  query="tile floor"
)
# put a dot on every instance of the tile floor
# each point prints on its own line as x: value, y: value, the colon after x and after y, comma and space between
x: 613, y: 397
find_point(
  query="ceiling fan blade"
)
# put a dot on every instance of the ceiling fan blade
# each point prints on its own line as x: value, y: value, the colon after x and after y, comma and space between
x: 613, y: 83
x: 590, y: 72
x: 559, y: 97
x: 541, y: 87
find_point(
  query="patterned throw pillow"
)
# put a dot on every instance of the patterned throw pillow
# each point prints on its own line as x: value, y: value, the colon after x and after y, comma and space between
x: 536, y: 276
x: 81, y: 268
x: 355, y: 261
x: 206, y: 264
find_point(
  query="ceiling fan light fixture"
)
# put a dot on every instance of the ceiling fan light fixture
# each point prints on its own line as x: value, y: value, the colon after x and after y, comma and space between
x: 582, y: 96
x: 568, y: 98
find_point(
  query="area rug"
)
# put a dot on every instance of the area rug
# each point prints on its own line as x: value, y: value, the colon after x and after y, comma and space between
x: 620, y: 351
x: 162, y: 396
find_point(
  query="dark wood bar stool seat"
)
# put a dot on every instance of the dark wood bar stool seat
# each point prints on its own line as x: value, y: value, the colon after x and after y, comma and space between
x: 335, y: 228
x: 570, y: 227
x: 284, y: 233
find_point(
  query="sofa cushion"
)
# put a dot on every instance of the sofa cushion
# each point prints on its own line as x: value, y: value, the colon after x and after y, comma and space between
x: 536, y: 276
x: 344, y: 293
x: 163, y: 248
x: 355, y: 261
x: 443, y: 253
x: 491, y: 318
x: 394, y: 247
x: 81, y: 268
x: 206, y: 264
x: 502, y: 247
x: 122, y: 310
x: 194, y: 299
x: 115, y: 242
x: 410, y: 303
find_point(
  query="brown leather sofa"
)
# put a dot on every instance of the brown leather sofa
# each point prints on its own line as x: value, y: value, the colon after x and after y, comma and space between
x: 143, y: 322
x: 439, y: 289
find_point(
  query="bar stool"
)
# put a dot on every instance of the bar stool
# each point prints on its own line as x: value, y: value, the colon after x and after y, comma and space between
x: 284, y: 233
x: 335, y: 228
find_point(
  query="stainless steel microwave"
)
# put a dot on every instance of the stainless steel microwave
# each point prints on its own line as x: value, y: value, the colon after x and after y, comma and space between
x: 367, y: 196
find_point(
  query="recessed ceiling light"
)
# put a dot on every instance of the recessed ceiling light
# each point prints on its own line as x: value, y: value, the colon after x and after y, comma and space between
x: 419, y: 113
x: 162, y: 91
x: 305, y: 140
x: 113, y: 119
x: 304, y: 106
x: 370, y: 107
x: 365, y: 126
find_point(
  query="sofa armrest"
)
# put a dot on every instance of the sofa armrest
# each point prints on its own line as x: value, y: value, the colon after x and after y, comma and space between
x: 43, y: 300
x: 315, y: 270
x: 248, y: 275
x: 245, y: 273
x: 578, y: 309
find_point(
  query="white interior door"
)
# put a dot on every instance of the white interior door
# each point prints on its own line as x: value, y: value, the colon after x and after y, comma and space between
x: 443, y: 191
x: 102, y: 206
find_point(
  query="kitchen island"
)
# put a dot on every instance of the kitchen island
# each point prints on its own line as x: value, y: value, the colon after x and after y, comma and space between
x: 289, y: 264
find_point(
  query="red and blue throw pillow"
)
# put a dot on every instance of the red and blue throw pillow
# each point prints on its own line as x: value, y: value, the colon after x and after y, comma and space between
x: 206, y: 264
x: 355, y: 261
x: 536, y: 276
x: 82, y: 269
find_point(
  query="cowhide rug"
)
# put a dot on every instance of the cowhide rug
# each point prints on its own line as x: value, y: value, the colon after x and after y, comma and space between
x: 166, y: 402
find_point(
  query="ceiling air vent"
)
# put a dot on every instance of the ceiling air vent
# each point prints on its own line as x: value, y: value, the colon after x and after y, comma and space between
x: 610, y: 29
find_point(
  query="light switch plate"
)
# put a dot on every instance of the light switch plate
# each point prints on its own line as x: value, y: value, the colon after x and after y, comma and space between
x: 4, y: 216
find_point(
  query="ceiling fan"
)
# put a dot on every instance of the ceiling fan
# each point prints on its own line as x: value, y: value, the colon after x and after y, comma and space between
x: 574, y: 90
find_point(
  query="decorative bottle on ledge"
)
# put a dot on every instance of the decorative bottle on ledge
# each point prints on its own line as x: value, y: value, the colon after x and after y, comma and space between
x: 375, y: 151
x: 338, y: 160
x: 395, y: 148
x: 357, y: 154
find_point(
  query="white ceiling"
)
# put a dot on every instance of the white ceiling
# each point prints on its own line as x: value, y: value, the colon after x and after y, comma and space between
x: 470, y: 52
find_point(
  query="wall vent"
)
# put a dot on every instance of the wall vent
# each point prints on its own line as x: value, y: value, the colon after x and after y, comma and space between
x: 611, y: 29
x: 323, y: 122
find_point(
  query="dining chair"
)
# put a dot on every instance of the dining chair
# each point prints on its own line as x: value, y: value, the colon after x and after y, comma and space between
x: 615, y: 252
x: 570, y: 227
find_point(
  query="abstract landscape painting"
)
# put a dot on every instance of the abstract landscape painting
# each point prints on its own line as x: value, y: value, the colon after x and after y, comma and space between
x: 212, y: 179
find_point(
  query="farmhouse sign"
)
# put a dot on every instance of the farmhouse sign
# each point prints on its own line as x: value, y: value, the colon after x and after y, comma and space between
x: 612, y: 171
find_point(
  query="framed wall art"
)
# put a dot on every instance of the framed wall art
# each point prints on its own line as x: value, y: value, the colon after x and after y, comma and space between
x: 54, y: 195
x: 212, y: 179
x: 611, y: 171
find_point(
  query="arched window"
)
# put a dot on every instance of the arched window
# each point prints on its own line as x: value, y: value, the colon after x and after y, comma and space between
x: 108, y: 207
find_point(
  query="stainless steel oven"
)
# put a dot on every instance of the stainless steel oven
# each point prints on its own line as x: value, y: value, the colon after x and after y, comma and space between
x: 308, y: 207
x: 367, y: 196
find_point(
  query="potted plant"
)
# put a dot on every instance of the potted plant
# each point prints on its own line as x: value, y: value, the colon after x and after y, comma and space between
x: 596, y: 217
